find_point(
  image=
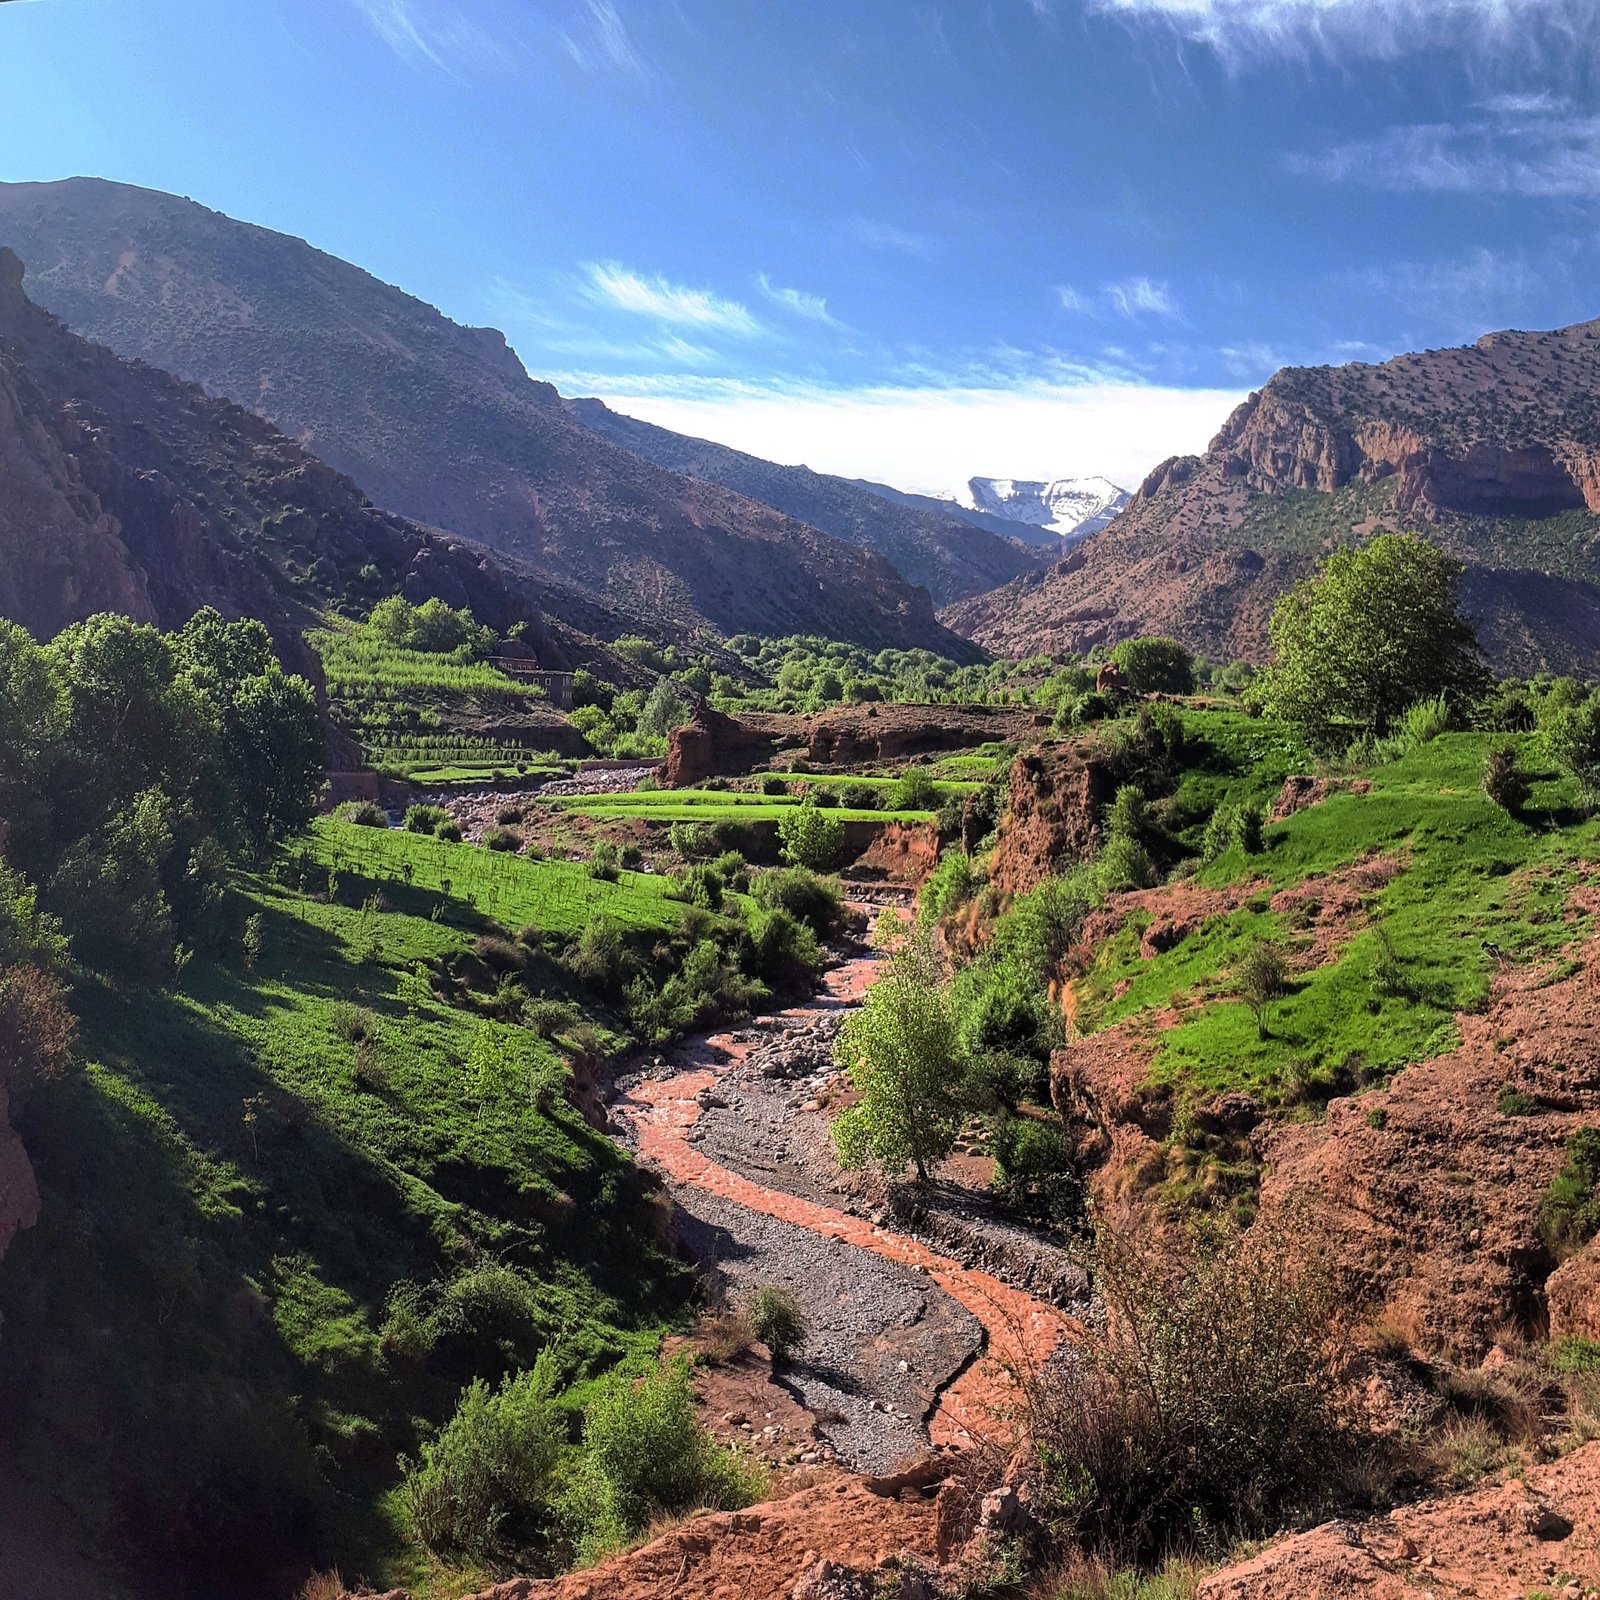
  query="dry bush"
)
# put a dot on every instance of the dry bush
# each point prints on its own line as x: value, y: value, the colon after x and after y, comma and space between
x: 723, y: 1333
x: 1210, y: 1407
x: 36, y: 1028
x: 322, y: 1586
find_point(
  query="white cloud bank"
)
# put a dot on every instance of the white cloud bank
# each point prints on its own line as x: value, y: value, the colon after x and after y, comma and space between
x: 931, y: 440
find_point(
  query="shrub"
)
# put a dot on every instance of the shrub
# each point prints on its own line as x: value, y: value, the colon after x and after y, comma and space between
x: 915, y: 791
x: 644, y: 1451
x: 1232, y: 827
x: 599, y: 959
x: 1155, y: 666
x: 483, y: 1485
x: 699, y: 886
x: 1572, y: 735
x: 1515, y: 1102
x: 771, y: 783
x: 1208, y: 1406
x: 449, y: 830
x: 1087, y: 709
x: 1260, y: 977
x: 734, y: 871
x: 508, y: 816
x: 859, y: 796
x: 425, y: 819
x: 1504, y: 781
x: 783, y: 950
x: 809, y: 838
x: 364, y: 813
x: 500, y: 954
x: 949, y: 886
x: 354, y: 1023
x: 1569, y: 1213
x: 694, y: 841
x: 548, y: 1017
x: 813, y: 900
x: 253, y: 942
x: 776, y: 1320
x: 1035, y: 1172
x: 828, y: 799
x: 603, y: 861
x: 507, y: 840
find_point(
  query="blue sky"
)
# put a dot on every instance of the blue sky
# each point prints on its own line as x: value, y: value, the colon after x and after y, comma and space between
x: 901, y: 238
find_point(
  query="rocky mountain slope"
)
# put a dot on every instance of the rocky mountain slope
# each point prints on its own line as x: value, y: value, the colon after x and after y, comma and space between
x: 436, y: 421
x: 123, y: 489
x: 949, y: 556
x: 1492, y: 450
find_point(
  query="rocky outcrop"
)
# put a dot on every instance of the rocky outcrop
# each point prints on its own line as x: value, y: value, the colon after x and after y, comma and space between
x: 1055, y: 798
x: 903, y: 852
x: 1573, y: 1296
x: 845, y: 737
x: 712, y: 743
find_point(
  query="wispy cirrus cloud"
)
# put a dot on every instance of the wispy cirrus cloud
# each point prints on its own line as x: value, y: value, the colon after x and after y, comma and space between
x: 1132, y: 298
x: 434, y: 33
x: 600, y: 42
x: 610, y: 284
x: 798, y: 302
x: 1368, y: 29
x: 1537, y: 146
x: 878, y: 235
x: 1141, y: 297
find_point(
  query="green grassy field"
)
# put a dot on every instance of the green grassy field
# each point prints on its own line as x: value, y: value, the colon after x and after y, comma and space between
x: 482, y: 775
x: 555, y: 896
x: 243, y: 1175
x: 1470, y: 881
x: 708, y: 805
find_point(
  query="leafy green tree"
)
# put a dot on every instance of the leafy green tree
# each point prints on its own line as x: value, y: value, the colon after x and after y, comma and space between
x: 811, y: 837
x: 902, y: 1053
x: 1376, y: 630
x: 667, y: 707
x: 33, y: 720
x: 1155, y: 666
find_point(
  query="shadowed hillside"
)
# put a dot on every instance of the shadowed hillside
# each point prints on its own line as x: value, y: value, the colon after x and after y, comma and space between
x: 437, y: 421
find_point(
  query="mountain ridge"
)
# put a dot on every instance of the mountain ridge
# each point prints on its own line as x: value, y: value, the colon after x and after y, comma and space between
x: 939, y: 550
x: 1492, y: 450
x: 439, y: 422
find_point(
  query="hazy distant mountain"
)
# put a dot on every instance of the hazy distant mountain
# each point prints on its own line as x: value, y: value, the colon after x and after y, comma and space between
x: 1046, y: 515
x: 932, y: 545
x: 1492, y: 451
x: 438, y: 421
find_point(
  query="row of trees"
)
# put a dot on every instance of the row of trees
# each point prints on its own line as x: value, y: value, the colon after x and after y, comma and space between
x: 138, y: 765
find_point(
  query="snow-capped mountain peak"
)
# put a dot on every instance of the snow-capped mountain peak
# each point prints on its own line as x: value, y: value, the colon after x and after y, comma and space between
x: 1070, y: 508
